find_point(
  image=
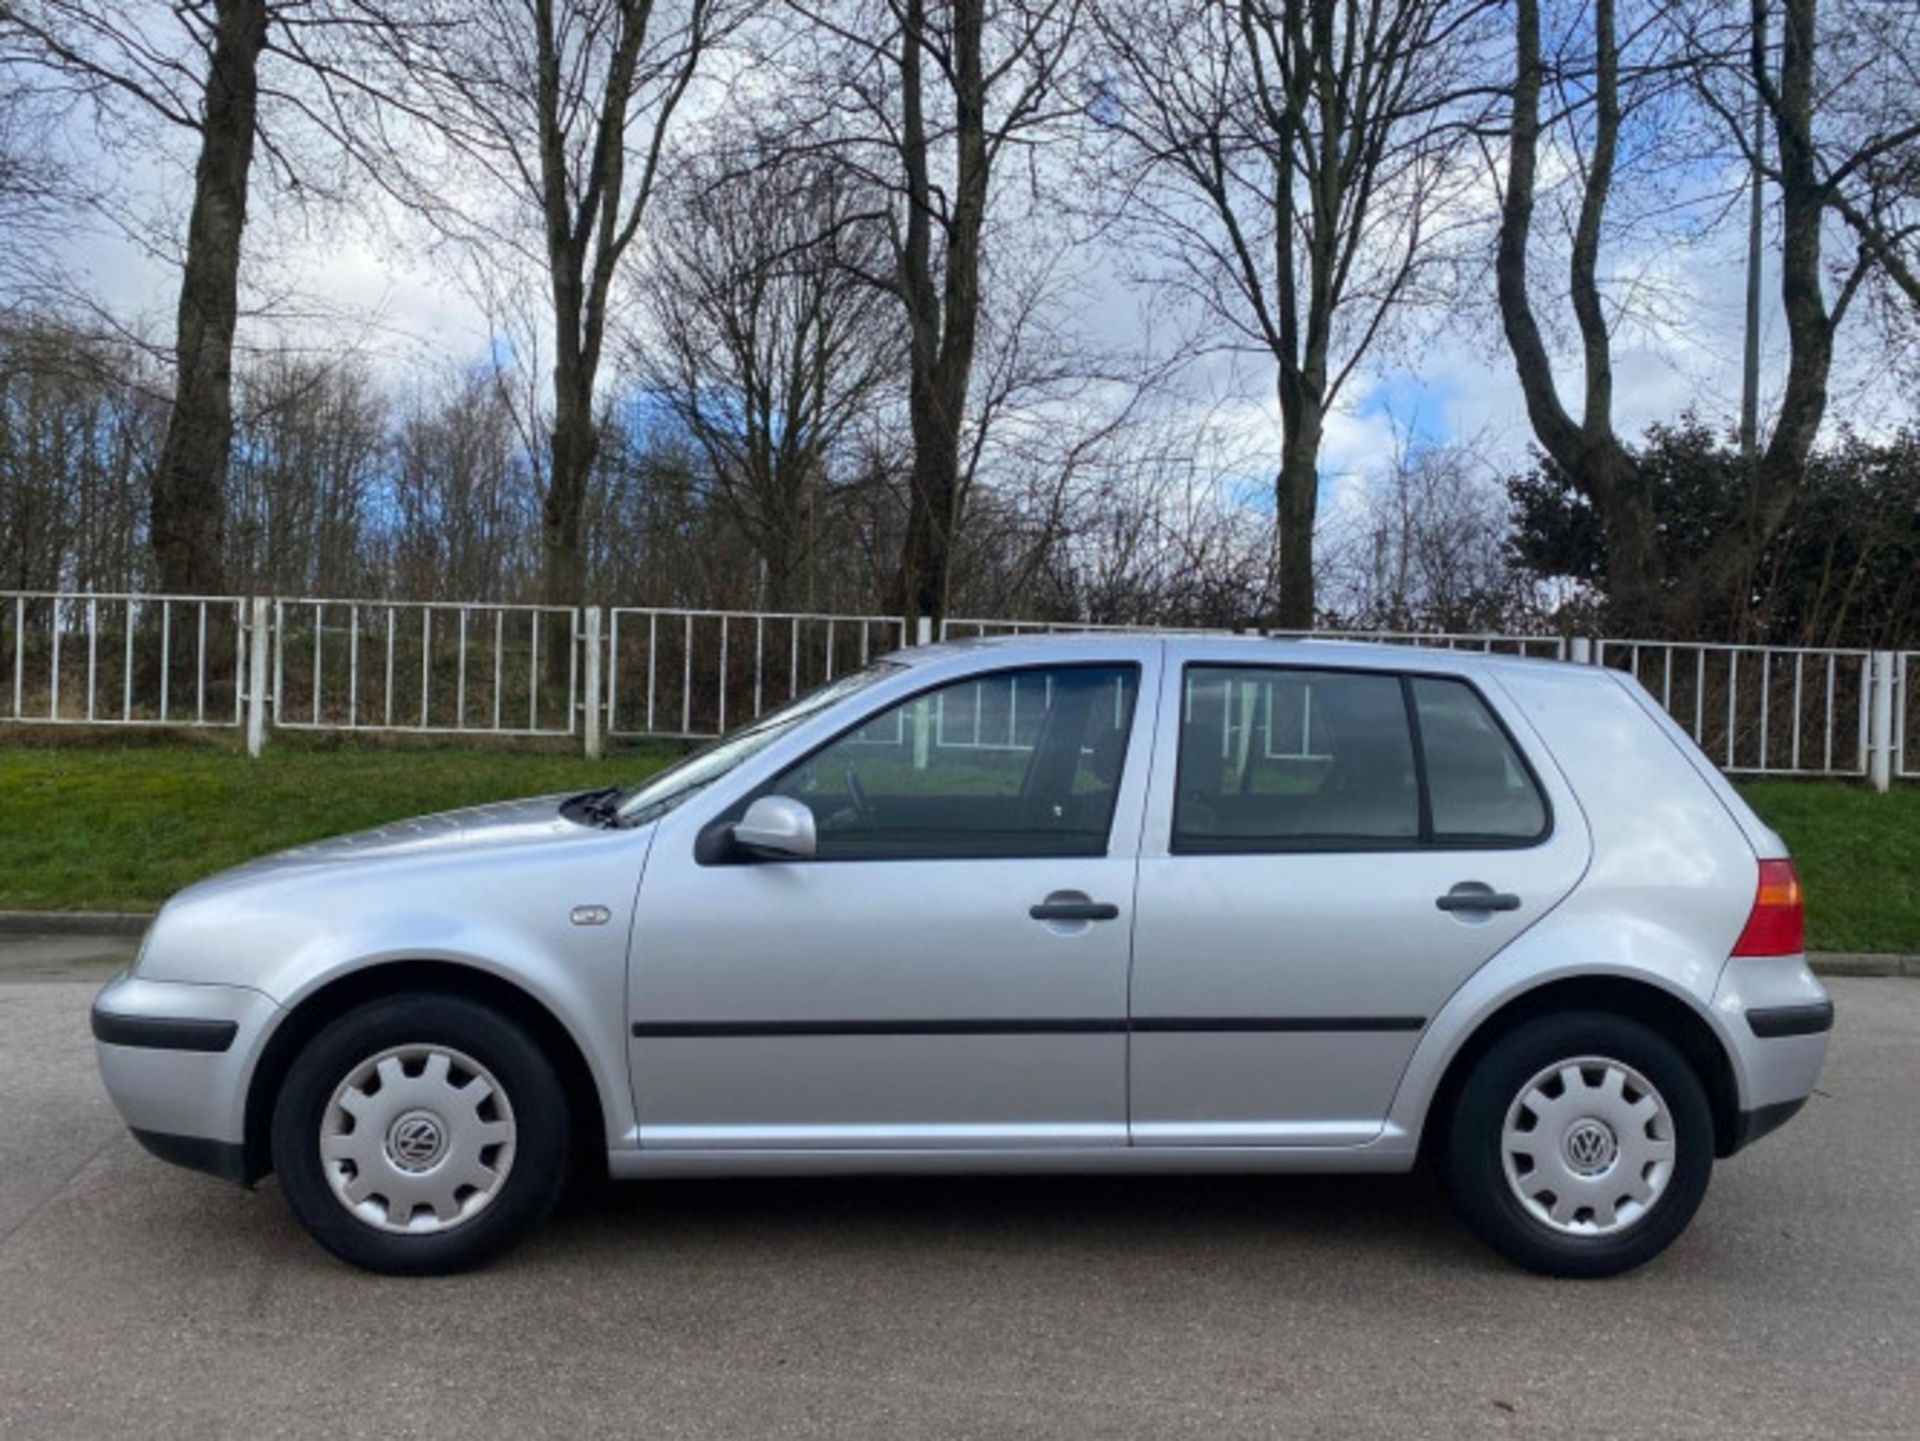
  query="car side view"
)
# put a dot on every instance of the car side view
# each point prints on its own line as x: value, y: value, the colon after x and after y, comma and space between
x: 1062, y: 903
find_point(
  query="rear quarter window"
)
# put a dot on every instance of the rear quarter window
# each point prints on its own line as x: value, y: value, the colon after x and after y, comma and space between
x: 1478, y: 786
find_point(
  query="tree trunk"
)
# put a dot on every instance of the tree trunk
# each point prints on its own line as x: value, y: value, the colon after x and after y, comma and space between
x: 188, y: 504
x: 1296, y: 501
x: 926, y: 559
x: 1588, y: 450
x: 575, y: 446
x: 944, y: 323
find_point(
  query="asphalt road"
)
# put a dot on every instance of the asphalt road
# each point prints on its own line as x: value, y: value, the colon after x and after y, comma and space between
x: 140, y: 1300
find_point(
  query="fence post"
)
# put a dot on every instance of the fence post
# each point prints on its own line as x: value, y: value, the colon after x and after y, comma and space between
x: 923, y: 630
x: 257, y: 678
x: 1880, y: 721
x: 591, y: 726
x: 1581, y: 650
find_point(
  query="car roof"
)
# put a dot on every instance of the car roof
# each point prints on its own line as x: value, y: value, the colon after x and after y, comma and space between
x: 1055, y: 645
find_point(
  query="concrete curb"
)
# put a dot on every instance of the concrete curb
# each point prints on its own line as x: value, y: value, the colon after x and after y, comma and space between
x: 133, y: 923
x: 74, y: 923
x: 1838, y: 963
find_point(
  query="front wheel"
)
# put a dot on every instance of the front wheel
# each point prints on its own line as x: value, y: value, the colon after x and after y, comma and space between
x: 1581, y: 1145
x: 420, y: 1134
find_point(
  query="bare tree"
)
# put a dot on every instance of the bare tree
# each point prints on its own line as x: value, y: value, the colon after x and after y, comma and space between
x: 78, y: 429
x: 930, y: 104
x: 303, y: 484
x: 553, y: 117
x: 460, y: 501
x: 767, y: 344
x: 1811, y: 180
x: 1427, y: 548
x: 1295, y: 162
x: 198, y: 71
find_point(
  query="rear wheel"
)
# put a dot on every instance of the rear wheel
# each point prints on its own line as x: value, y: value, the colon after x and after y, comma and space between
x: 420, y: 1133
x: 1581, y: 1145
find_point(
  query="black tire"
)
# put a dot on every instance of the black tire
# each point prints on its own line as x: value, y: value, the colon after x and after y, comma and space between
x: 1476, y: 1174
x: 534, y: 1175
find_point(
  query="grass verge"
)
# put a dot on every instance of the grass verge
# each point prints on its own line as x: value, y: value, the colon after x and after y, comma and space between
x: 106, y: 827
x: 1858, y: 854
x: 100, y: 828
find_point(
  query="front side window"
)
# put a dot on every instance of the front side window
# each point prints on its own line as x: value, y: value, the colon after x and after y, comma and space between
x: 1293, y: 759
x: 1017, y: 763
x: 696, y: 772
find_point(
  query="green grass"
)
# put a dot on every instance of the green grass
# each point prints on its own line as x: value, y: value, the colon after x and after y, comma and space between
x: 98, y: 827
x: 1859, y: 858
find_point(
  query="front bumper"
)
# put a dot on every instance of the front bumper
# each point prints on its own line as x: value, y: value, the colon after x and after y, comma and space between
x: 176, y: 1059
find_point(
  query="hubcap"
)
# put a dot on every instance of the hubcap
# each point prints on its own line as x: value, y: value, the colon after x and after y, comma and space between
x: 1588, y: 1146
x: 417, y: 1139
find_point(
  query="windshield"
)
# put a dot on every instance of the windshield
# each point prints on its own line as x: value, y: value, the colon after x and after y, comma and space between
x: 673, y: 785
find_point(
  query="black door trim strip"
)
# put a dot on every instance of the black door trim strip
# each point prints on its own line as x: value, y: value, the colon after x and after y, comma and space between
x: 1069, y: 1026
x: 1154, y: 1024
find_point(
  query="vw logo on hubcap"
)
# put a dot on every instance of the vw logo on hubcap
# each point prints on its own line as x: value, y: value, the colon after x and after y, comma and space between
x: 416, y: 1140
x: 1590, y: 1147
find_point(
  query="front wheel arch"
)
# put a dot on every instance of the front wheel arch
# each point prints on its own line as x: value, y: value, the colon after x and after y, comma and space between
x: 343, y: 993
x: 1677, y: 1022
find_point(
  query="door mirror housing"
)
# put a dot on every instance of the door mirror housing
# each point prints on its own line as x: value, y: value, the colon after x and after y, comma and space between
x: 776, y: 828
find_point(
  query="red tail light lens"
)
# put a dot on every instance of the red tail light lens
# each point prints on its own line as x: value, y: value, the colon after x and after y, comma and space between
x: 1777, y: 925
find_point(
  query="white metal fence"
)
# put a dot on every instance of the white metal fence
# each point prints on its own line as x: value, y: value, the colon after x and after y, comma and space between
x: 1906, y: 715
x: 1760, y: 710
x: 128, y: 660
x: 695, y: 673
x: 306, y: 663
x: 427, y: 667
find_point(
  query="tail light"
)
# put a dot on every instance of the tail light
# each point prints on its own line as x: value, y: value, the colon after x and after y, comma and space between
x: 1777, y: 925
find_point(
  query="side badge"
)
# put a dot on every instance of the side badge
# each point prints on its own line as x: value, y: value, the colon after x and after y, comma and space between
x: 591, y: 915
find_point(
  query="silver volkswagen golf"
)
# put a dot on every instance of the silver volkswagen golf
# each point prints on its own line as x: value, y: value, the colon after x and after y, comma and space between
x: 1073, y: 904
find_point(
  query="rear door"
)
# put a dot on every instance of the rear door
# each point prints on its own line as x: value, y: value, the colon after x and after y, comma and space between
x: 1329, y: 852
x: 950, y: 971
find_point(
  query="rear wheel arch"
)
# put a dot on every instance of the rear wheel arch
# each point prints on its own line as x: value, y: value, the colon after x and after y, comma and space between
x: 315, y: 1011
x: 1673, y: 1018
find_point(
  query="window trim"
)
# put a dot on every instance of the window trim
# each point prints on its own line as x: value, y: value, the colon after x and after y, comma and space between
x: 1425, y: 840
x: 712, y: 847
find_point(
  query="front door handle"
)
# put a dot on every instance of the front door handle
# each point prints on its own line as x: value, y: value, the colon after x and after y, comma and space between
x: 1082, y: 910
x: 1477, y: 896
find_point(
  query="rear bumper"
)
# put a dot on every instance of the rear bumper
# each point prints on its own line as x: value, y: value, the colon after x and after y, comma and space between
x: 1752, y: 1125
x: 1776, y: 1018
x: 176, y: 1059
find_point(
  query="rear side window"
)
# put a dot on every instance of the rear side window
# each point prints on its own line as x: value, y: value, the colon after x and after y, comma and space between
x: 1479, y: 787
x: 1293, y: 759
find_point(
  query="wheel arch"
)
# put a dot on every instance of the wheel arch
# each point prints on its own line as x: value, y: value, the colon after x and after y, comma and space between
x: 1665, y: 1012
x: 336, y: 997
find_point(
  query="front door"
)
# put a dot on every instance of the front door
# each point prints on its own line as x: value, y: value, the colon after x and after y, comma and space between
x: 950, y: 969
x: 1335, y: 852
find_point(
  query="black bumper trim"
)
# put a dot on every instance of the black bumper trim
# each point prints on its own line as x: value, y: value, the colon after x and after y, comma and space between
x: 1761, y: 1121
x: 163, y: 1033
x: 1771, y: 1022
x: 225, y: 1159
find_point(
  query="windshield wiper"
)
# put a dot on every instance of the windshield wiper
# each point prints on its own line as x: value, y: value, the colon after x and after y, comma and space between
x: 600, y: 808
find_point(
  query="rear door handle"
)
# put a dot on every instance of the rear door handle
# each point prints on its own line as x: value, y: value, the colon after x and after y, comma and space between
x: 1074, y: 911
x: 1477, y: 896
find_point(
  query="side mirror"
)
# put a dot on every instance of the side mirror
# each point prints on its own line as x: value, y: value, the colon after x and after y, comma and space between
x: 777, y: 827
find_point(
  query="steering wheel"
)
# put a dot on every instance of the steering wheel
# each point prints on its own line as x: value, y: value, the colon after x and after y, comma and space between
x: 857, y: 793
